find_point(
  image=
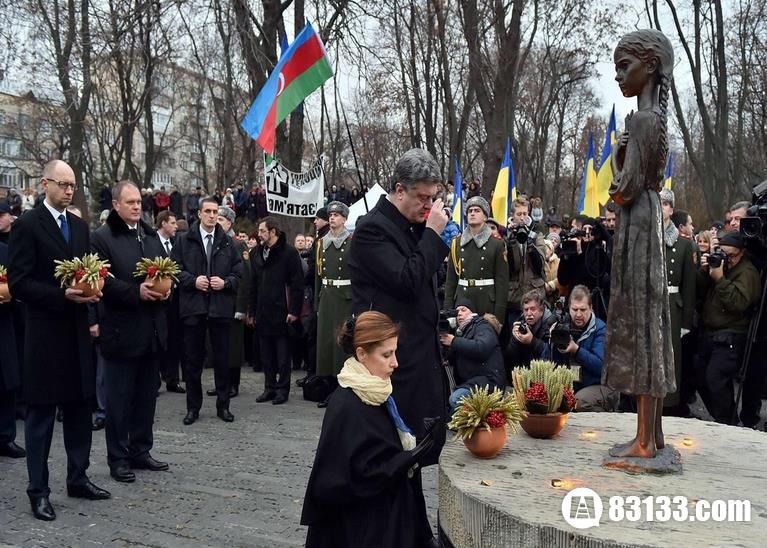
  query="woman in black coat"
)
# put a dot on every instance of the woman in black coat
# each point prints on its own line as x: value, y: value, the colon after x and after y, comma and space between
x: 359, y: 493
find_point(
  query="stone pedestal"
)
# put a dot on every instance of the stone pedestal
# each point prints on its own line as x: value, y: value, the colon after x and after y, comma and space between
x: 510, y: 501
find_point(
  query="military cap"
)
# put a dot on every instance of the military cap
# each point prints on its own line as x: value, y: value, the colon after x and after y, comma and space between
x: 481, y: 203
x: 340, y: 208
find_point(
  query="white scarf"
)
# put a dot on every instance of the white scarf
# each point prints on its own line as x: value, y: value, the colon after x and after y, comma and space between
x: 370, y: 389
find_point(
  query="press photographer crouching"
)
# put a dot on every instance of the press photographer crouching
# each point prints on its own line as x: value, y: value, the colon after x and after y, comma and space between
x: 730, y: 286
x: 474, y: 351
x: 530, y: 334
x: 578, y: 339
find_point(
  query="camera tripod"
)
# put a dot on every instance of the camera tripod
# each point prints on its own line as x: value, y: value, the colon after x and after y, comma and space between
x: 753, y: 336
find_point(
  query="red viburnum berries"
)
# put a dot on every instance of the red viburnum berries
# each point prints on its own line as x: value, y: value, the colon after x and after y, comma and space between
x: 79, y: 274
x: 103, y: 271
x: 151, y: 271
x: 537, y: 394
x: 495, y: 419
x: 569, y: 397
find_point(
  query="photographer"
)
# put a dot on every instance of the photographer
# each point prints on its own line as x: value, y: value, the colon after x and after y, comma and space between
x: 584, y: 260
x: 474, y: 351
x: 730, y: 286
x: 526, y: 251
x: 530, y: 334
x: 579, y: 340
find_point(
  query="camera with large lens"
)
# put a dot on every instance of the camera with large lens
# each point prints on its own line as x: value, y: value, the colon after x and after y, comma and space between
x: 521, y: 233
x: 754, y: 225
x: 448, y: 320
x: 523, y: 329
x: 716, y: 259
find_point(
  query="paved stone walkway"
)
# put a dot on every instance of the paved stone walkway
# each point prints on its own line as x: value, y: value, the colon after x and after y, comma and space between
x: 238, y: 484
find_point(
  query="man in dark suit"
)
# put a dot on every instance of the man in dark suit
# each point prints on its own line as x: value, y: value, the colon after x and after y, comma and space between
x: 170, y: 359
x: 276, y: 296
x: 211, y: 269
x: 58, y: 358
x: 132, y: 333
x: 394, y: 258
x: 10, y: 374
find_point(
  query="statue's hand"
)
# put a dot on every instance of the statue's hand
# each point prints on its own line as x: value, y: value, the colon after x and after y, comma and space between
x: 619, y: 151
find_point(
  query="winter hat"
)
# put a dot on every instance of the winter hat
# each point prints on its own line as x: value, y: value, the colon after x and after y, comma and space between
x: 463, y: 301
x: 322, y: 213
x: 227, y: 213
x: 666, y: 195
x: 481, y: 203
x: 733, y: 239
x: 338, y: 207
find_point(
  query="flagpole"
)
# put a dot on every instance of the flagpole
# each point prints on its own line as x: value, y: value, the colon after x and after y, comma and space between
x: 354, y: 155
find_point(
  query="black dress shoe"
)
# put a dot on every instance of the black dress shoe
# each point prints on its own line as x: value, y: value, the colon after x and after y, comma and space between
x: 98, y: 424
x: 323, y: 404
x: 191, y: 416
x: 149, y: 463
x: 234, y: 391
x: 265, y: 396
x: 280, y: 399
x: 175, y: 387
x: 123, y: 473
x: 42, y: 509
x: 88, y: 491
x: 211, y: 392
x: 12, y: 450
x: 225, y: 415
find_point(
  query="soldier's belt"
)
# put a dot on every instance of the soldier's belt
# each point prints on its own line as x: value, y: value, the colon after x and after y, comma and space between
x: 476, y: 283
x: 335, y: 283
x: 673, y: 289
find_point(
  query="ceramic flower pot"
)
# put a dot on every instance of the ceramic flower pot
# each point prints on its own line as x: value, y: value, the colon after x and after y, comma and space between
x: 5, y: 293
x: 86, y: 288
x: 160, y: 285
x: 486, y: 445
x: 544, y: 426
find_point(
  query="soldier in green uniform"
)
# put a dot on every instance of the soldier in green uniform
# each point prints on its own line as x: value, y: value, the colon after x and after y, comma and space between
x: 333, y: 292
x: 680, y: 271
x: 478, y: 269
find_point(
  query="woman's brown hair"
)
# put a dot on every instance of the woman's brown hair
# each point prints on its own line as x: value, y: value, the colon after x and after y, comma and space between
x: 366, y: 331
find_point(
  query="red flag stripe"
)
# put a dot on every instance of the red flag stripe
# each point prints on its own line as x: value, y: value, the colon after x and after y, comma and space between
x: 304, y: 57
x: 267, y: 135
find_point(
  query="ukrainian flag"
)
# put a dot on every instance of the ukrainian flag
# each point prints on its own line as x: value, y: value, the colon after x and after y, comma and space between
x: 605, y: 172
x: 458, y: 197
x: 505, y: 189
x: 669, y: 171
x: 588, y: 202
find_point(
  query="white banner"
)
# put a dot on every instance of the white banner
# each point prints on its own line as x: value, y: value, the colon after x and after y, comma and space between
x: 294, y: 194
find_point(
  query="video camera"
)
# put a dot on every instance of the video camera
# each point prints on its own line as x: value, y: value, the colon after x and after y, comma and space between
x: 563, y: 330
x: 754, y: 226
x: 448, y: 321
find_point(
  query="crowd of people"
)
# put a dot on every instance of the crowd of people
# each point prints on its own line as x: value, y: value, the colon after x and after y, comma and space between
x: 392, y: 323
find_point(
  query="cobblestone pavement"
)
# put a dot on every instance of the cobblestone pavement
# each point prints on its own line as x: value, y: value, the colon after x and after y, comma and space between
x: 238, y: 484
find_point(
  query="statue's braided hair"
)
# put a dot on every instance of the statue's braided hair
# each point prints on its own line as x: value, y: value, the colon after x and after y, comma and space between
x: 645, y: 45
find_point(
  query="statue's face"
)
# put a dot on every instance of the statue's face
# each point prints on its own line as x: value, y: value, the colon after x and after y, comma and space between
x: 631, y: 73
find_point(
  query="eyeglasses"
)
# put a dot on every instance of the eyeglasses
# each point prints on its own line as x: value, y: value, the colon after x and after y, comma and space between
x: 63, y: 185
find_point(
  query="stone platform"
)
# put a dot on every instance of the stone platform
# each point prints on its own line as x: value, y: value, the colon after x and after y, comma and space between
x: 510, y: 501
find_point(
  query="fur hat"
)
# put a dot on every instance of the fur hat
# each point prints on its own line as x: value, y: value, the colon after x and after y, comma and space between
x: 227, y: 213
x: 481, y: 203
x: 338, y: 207
x: 667, y: 195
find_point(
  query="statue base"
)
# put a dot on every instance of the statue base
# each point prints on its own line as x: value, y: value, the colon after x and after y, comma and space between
x: 666, y: 461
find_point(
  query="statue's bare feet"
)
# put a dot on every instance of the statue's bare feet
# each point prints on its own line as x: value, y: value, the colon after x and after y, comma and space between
x: 617, y: 449
x: 635, y: 449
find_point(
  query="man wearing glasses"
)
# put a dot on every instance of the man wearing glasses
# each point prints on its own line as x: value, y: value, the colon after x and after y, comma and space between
x: 58, y: 360
x: 730, y: 289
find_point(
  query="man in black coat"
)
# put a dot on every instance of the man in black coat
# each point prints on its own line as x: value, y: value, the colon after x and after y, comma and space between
x: 394, y: 258
x: 276, y: 296
x: 132, y: 331
x: 58, y: 358
x: 211, y: 269
x: 10, y: 374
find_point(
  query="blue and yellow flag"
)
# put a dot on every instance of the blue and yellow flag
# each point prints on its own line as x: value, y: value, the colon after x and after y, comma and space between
x: 505, y: 189
x: 458, y: 197
x: 605, y: 172
x: 669, y: 171
x: 588, y: 202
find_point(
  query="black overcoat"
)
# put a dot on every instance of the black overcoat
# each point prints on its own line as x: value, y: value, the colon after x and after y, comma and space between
x: 276, y: 288
x: 58, y: 358
x: 128, y: 326
x: 359, y: 493
x: 226, y: 263
x: 393, y: 267
x: 10, y: 372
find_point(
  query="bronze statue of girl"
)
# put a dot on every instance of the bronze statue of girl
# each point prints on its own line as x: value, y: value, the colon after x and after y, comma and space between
x: 638, y: 353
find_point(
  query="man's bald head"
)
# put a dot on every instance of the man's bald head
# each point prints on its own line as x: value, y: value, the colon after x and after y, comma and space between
x: 58, y: 170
